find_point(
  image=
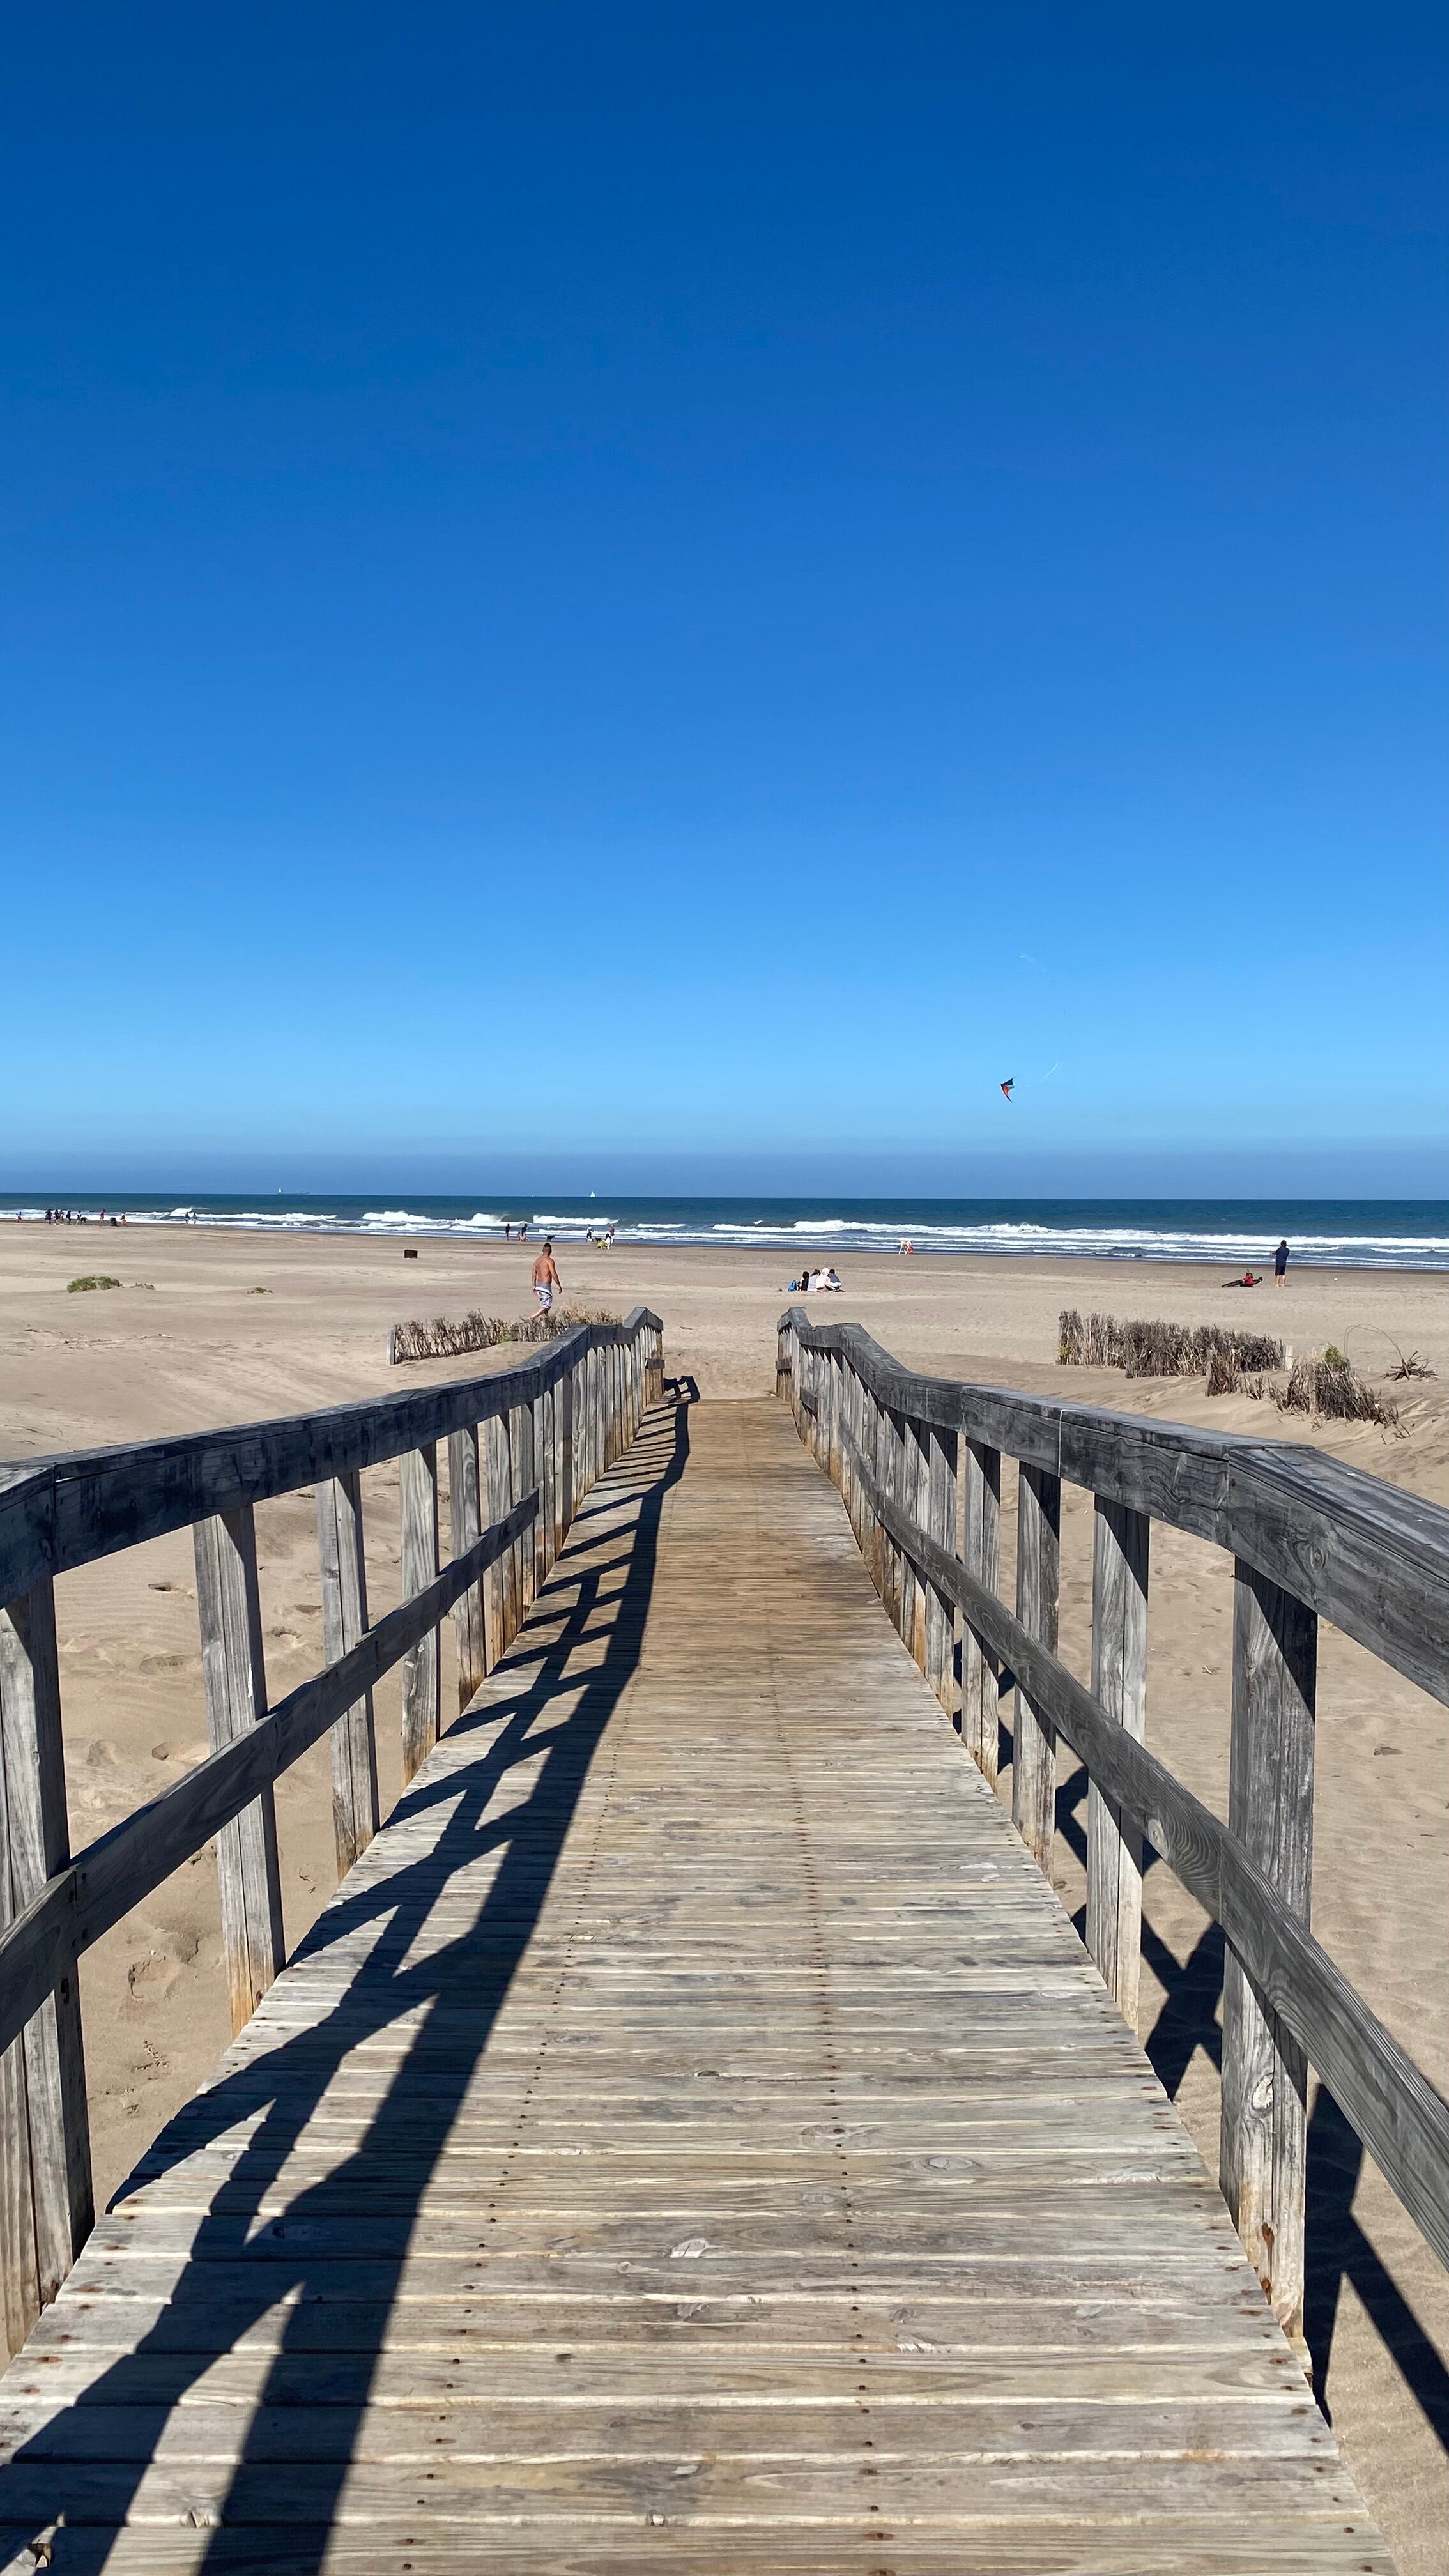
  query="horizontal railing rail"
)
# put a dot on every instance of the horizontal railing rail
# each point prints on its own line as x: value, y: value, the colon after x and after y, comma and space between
x: 1325, y: 1531
x: 58, y: 1513
x: 524, y: 1445
x: 918, y: 1462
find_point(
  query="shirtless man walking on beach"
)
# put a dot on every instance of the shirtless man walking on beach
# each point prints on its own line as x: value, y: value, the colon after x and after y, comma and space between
x: 545, y: 1279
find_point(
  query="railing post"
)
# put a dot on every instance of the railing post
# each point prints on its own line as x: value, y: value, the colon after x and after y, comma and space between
x: 230, y: 1613
x: 47, y: 2207
x: 941, y: 1526
x: 520, y: 1441
x: 352, y: 1743
x: 501, y: 1595
x: 422, y: 1704
x: 1270, y: 1811
x: 1119, y: 1683
x: 915, y: 1500
x: 465, y: 1528
x: 888, y: 1476
x: 567, y: 1438
x: 980, y: 1717
x: 543, y: 1526
x: 1034, y: 1756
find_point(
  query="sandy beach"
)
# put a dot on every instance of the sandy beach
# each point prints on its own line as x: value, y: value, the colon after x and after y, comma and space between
x: 211, y: 1327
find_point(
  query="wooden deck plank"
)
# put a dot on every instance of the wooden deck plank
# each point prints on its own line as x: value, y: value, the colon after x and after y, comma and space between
x: 692, y: 2136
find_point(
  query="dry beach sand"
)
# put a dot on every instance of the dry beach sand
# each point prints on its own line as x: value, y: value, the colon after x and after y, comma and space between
x: 214, y: 1327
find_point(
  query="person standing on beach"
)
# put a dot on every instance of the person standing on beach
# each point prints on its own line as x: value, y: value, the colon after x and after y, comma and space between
x: 1280, y: 1262
x: 545, y: 1279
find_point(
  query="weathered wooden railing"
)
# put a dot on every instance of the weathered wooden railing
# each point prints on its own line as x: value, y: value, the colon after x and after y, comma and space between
x: 918, y: 1463
x: 524, y: 1445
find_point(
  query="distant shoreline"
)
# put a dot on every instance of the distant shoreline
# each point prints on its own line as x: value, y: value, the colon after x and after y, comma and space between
x: 1345, y: 1234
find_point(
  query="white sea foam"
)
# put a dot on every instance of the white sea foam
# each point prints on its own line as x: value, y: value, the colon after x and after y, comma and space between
x: 1230, y: 1244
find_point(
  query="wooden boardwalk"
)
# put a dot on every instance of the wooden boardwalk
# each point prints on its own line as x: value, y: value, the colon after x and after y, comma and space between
x: 693, y: 2137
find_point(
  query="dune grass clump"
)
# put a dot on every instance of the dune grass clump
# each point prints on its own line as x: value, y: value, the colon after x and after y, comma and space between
x: 92, y: 1279
x: 443, y: 1339
x: 1143, y: 1348
x: 1329, y: 1387
x: 1226, y: 1375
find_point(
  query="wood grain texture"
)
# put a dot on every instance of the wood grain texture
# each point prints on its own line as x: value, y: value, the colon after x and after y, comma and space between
x: 229, y: 1613
x: 1120, y: 1548
x: 980, y: 1672
x: 693, y: 2136
x: 422, y: 1700
x: 1038, y: 1580
x: 1263, y: 2166
x: 46, y: 2201
x: 465, y: 1528
x: 352, y: 1745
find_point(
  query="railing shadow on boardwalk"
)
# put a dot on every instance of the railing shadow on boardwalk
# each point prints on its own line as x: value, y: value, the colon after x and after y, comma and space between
x: 1337, y: 2249
x: 411, y: 2126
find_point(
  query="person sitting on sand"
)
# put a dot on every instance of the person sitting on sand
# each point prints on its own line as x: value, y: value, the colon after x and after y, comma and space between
x: 1247, y: 1281
x: 545, y: 1278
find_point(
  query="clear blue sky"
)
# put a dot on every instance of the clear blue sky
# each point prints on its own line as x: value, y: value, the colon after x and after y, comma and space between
x: 724, y: 578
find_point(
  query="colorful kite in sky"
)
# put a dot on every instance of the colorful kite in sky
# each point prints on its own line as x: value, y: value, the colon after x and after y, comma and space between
x: 1008, y: 1088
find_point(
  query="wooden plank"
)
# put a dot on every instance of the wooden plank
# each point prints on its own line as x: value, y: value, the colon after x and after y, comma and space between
x: 1120, y: 1544
x: 980, y: 1722
x: 465, y: 1528
x: 1270, y: 1812
x: 1034, y: 1753
x: 46, y: 2199
x: 229, y: 1611
x: 422, y: 1701
x: 352, y: 1742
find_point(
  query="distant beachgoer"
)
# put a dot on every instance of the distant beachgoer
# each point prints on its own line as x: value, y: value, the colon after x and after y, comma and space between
x: 1247, y: 1281
x: 545, y: 1279
x: 1280, y: 1262
x: 508, y: 1234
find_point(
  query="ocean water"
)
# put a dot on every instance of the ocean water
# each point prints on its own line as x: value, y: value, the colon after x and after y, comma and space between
x: 1406, y: 1234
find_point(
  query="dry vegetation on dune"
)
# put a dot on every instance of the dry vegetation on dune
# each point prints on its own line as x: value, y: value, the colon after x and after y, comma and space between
x: 1323, y: 1384
x: 442, y: 1339
x: 1148, y: 1349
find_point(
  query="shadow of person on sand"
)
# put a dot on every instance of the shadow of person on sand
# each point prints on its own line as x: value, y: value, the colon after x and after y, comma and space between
x: 331, y: 2259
